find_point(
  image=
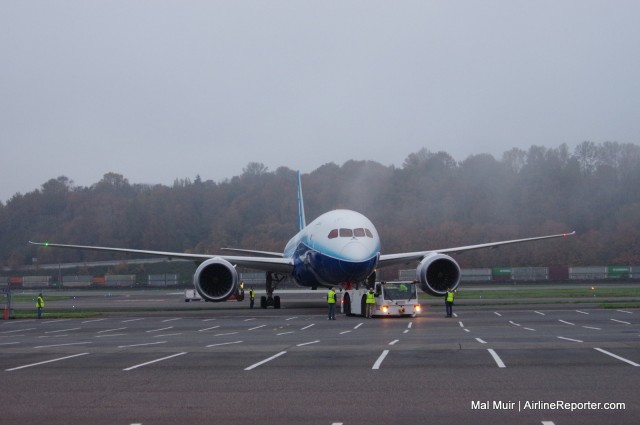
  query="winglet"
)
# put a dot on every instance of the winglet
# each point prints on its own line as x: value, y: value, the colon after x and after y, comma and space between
x: 301, y: 219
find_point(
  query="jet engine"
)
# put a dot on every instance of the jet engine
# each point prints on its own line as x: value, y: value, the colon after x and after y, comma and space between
x: 437, y: 272
x: 216, y: 279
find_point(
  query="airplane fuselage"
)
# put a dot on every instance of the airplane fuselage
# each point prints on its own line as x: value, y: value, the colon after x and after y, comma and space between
x: 340, y: 246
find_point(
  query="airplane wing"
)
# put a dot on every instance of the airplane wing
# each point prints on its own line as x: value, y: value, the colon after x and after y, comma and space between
x: 271, y: 264
x: 409, y: 257
x: 254, y: 252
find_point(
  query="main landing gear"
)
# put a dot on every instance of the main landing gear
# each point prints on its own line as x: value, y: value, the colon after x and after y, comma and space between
x: 269, y: 300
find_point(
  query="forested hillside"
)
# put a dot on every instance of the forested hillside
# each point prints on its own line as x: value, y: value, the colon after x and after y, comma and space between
x: 430, y: 202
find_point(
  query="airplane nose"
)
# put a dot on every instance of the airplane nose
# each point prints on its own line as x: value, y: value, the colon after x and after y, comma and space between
x: 355, y: 251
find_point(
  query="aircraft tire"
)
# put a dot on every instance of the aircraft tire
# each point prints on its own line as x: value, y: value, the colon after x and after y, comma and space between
x: 263, y: 302
x: 276, y: 302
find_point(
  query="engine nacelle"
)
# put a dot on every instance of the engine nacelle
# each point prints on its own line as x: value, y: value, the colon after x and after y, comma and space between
x: 216, y: 279
x: 437, y: 272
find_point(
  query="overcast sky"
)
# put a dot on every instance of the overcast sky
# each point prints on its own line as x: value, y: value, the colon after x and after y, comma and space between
x: 158, y: 90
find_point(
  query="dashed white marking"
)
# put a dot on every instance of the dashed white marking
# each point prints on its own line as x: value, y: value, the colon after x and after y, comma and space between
x: 496, y: 358
x: 481, y: 341
x: 409, y: 325
x: 344, y: 332
x: 163, y: 335
x: 461, y: 325
x: 466, y: 330
x: 110, y: 330
x: 133, y: 320
x: 625, y: 311
x: 46, y: 322
x: 62, y: 330
x: 142, y: 345
x: 308, y: 343
x: 17, y: 330
x: 208, y: 320
x: 291, y: 318
x: 154, y: 361
x: 284, y: 333
x: 94, y: 320
x: 581, y: 312
x: 497, y: 314
x: 547, y: 423
x: 224, y: 343
x: 357, y: 326
x: 617, y: 357
x: 208, y: 329
x: 230, y: 333
x: 620, y: 321
x: 62, y: 345
x: 529, y: 329
x: 568, y: 323
x: 247, y: 320
x: 514, y: 323
x: 540, y: 313
x: 107, y: 335
x: 394, y: 342
x: 569, y: 339
x: 378, y: 362
x: 260, y: 363
x: 455, y: 315
x: 158, y: 330
x: 46, y: 361
x: 406, y: 331
x: 308, y: 326
x: 591, y: 327
x: 256, y: 327
x: 171, y: 320
x: 9, y: 343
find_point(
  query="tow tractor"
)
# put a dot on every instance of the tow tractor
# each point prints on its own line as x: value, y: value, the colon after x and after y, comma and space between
x: 392, y: 299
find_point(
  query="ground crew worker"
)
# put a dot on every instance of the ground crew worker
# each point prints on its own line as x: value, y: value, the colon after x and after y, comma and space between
x: 370, y: 302
x: 40, y: 305
x: 331, y: 302
x: 448, y: 301
x: 252, y: 297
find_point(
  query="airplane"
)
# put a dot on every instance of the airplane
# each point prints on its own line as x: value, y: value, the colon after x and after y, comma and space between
x: 339, y: 248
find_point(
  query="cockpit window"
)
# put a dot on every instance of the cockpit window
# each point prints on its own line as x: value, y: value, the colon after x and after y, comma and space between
x: 349, y: 233
x: 346, y: 233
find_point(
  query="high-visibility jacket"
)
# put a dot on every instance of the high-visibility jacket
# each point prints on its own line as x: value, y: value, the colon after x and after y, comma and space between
x: 40, y: 302
x: 371, y: 298
x: 331, y: 297
x: 450, y: 296
x: 251, y: 296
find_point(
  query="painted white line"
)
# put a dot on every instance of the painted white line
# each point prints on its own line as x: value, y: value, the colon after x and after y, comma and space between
x: 55, y: 321
x: 9, y: 343
x: 357, y: 326
x: 52, y: 336
x: 547, y: 423
x: 581, y: 312
x: 617, y: 357
x: 591, y: 327
x: 163, y: 335
x: 466, y: 330
x: 154, y: 361
x: 256, y: 327
x: 209, y: 320
x: 62, y: 330
x: 246, y: 320
x: 107, y: 335
x: 514, y: 323
x: 620, y: 321
x: 45, y: 362
x: 496, y: 358
x: 284, y: 333
x: 625, y: 311
x: 529, y: 329
x: 569, y: 339
x: 142, y: 345
x: 344, y: 332
x: 411, y: 324
x: 308, y: 326
x: 307, y: 343
x: 171, y: 320
x: 230, y: 333
x: 394, y: 342
x: 455, y: 315
x: 208, y: 329
x: 260, y: 363
x: 17, y: 330
x: 481, y: 341
x: 378, y: 362
x: 158, y: 330
x: 224, y: 343
x: 94, y: 320
x: 568, y: 323
x: 111, y: 330
x: 62, y: 345
x: 540, y: 313
x: 461, y: 325
x: 291, y: 318
x: 497, y: 314
x: 133, y: 320
x: 406, y: 331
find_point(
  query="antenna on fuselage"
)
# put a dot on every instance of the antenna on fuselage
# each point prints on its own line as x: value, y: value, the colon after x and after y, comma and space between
x: 302, y: 222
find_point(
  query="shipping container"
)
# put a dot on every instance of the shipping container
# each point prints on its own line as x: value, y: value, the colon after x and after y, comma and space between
x: 530, y: 273
x: 586, y: 273
x: 475, y: 275
x: 122, y: 280
x: 162, y: 279
x: 501, y: 273
x: 558, y: 273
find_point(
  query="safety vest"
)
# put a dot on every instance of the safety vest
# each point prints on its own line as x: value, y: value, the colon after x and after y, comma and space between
x: 370, y: 298
x: 251, y: 294
x: 331, y: 297
x: 450, y: 296
x: 40, y: 302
